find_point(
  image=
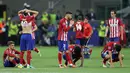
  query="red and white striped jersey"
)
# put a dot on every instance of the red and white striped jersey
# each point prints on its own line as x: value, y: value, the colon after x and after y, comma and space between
x: 114, y: 27
x: 63, y: 30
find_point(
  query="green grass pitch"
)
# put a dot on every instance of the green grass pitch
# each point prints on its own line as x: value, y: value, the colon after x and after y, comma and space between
x: 48, y: 63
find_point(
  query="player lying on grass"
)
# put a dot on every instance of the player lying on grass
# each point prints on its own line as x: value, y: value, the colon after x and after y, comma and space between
x: 111, y: 53
x: 75, y: 53
x: 11, y: 56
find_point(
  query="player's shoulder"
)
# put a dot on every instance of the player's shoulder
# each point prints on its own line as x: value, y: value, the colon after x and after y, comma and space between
x: 62, y: 20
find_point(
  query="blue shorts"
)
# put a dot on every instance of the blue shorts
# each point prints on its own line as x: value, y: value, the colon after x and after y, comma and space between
x: 7, y: 63
x: 80, y: 42
x: 33, y: 44
x: 103, y: 54
x: 26, y: 42
x: 116, y: 39
x: 63, y: 45
x: 114, y: 56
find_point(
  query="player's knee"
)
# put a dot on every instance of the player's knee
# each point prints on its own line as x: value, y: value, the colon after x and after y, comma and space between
x: 60, y: 52
x: 67, y: 51
x: 11, y: 58
x: 122, y: 56
x: 107, y: 56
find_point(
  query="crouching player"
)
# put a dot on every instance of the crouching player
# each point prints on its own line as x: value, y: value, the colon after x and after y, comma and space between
x: 75, y: 53
x: 11, y: 56
x: 111, y: 53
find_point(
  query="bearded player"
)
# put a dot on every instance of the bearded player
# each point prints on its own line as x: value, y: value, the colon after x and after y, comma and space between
x: 64, y: 26
x: 11, y: 56
x: 114, y: 28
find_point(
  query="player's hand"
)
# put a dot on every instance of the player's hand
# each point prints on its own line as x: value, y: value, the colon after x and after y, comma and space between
x: 20, y: 32
x: 111, y: 66
x: 71, y: 23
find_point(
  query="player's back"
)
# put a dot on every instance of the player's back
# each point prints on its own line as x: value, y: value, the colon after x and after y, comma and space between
x: 27, y: 23
x: 108, y: 47
x: 87, y: 29
x: 79, y: 29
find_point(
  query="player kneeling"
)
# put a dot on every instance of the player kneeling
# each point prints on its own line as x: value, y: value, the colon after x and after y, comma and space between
x: 111, y: 53
x: 75, y: 53
x: 11, y: 56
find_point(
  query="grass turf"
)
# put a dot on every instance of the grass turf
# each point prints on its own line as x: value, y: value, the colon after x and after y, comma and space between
x: 48, y: 63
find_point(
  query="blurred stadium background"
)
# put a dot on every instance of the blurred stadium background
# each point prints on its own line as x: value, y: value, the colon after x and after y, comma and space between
x: 50, y: 12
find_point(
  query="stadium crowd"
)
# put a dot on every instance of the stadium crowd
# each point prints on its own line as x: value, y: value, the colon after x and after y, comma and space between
x: 47, y: 28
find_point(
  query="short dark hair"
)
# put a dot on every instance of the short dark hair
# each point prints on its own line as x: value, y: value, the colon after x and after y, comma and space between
x: 10, y: 42
x: 68, y: 12
x: 118, y: 47
x: 113, y: 11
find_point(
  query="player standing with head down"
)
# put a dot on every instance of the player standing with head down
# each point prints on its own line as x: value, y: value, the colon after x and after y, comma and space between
x: 115, y: 28
x: 26, y: 37
x: 64, y: 26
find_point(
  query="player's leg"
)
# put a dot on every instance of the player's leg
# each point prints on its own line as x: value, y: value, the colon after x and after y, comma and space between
x: 66, y: 62
x: 29, y: 48
x: 35, y: 49
x: 67, y: 53
x: 105, y: 57
x: 83, y: 42
x: 10, y: 62
x: 60, y: 53
x: 115, y: 57
x: 22, y: 49
x: 75, y: 58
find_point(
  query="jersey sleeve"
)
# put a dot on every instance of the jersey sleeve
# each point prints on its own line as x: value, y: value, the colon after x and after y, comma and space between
x: 33, y: 23
x: 120, y: 22
x: 21, y: 17
x: 17, y: 52
x: 108, y: 24
x: 9, y: 54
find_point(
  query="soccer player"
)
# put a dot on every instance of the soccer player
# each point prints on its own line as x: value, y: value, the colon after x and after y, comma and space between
x: 75, y: 53
x: 115, y: 28
x: 26, y: 6
x: 11, y: 55
x: 111, y: 52
x: 78, y: 28
x: 26, y: 37
x: 64, y: 26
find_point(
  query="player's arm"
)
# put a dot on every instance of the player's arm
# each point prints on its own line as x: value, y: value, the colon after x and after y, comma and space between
x: 20, y: 12
x: 82, y: 59
x: 122, y: 29
x: 91, y: 31
x: 120, y: 59
x: 35, y: 13
x: 10, y: 54
x: 106, y: 31
x: 110, y: 55
x: 66, y: 28
x: 17, y: 52
x: 35, y: 28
